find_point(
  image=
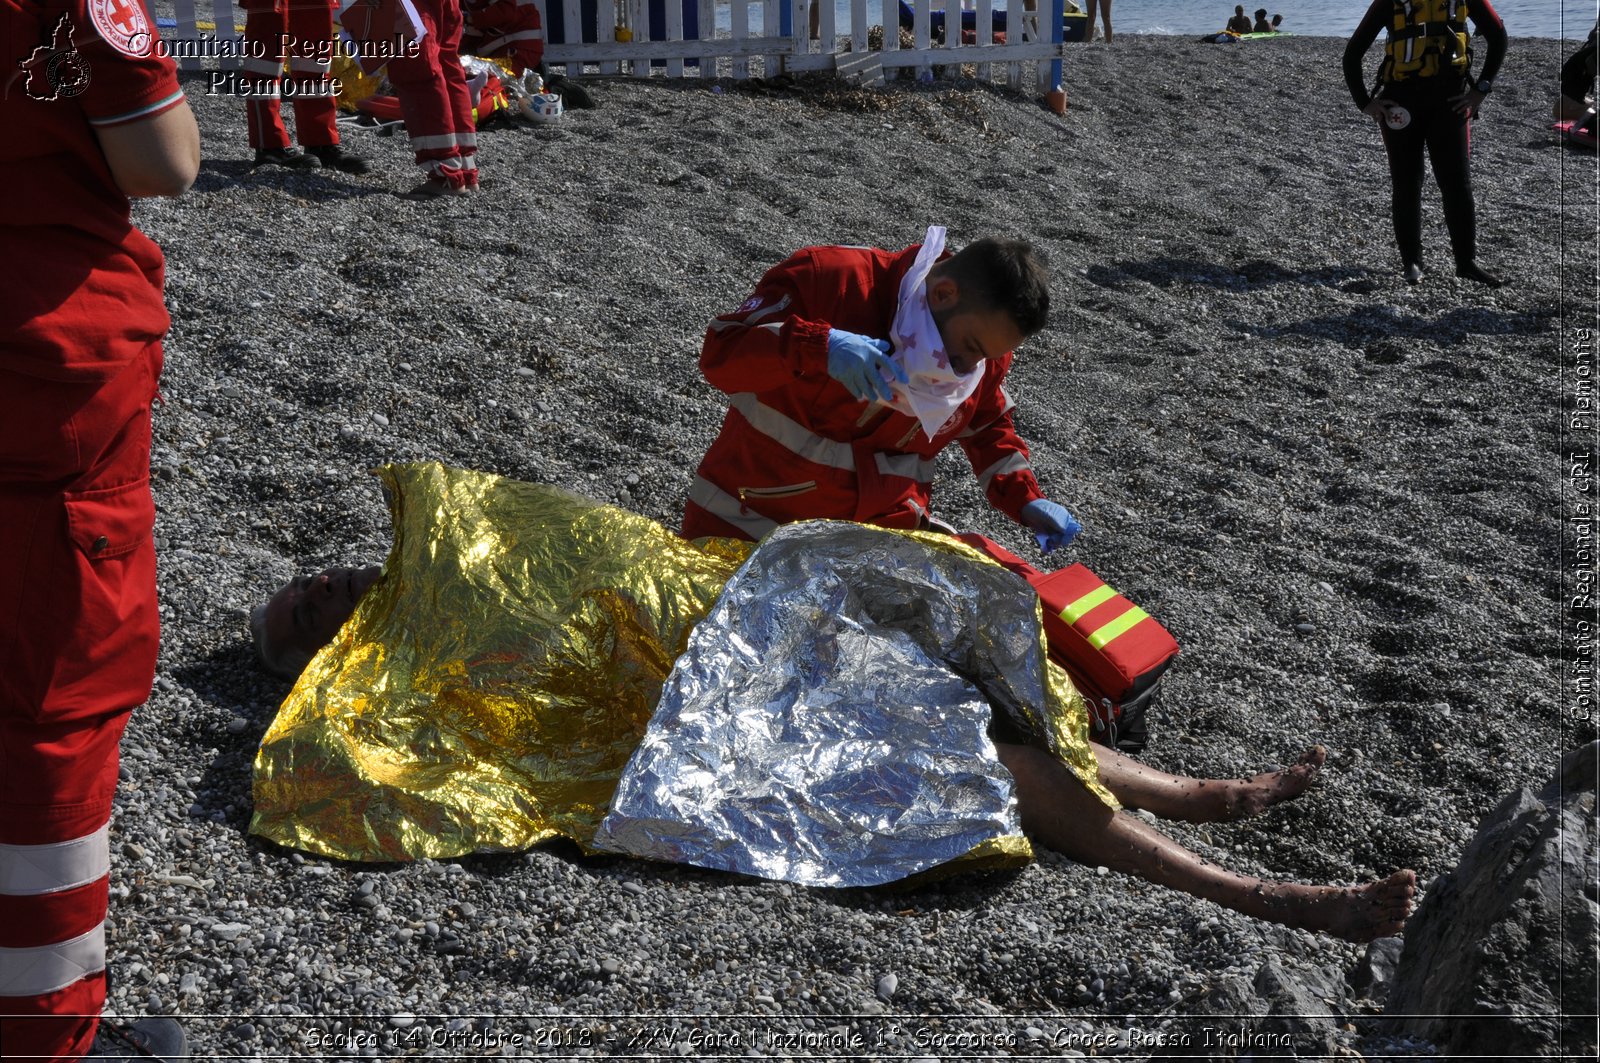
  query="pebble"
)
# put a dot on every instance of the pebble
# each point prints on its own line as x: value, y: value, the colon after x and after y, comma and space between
x: 237, y: 725
x: 1305, y: 628
x: 887, y: 984
x: 290, y: 493
x: 380, y: 418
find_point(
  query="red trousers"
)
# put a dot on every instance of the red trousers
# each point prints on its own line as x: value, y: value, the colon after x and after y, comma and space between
x: 78, y: 634
x: 303, y: 29
x: 434, y: 99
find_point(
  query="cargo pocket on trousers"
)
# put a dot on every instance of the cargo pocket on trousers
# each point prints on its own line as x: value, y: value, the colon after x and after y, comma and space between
x: 107, y: 634
x: 112, y: 521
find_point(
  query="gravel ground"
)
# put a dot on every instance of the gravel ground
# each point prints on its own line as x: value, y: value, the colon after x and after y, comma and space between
x: 1341, y: 494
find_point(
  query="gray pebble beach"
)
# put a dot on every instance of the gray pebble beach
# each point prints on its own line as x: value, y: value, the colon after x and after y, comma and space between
x: 1342, y: 495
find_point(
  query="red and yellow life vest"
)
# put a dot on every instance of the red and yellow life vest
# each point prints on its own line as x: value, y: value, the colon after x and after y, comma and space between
x: 1426, y: 38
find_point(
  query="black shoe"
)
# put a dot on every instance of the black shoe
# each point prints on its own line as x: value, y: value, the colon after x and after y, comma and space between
x: 572, y: 94
x: 1412, y: 273
x: 158, y: 1038
x: 292, y: 160
x: 436, y: 187
x: 333, y: 157
x: 1472, y: 272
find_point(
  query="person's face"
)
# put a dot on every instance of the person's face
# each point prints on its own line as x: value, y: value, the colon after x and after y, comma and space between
x: 972, y: 334
x: 308, y: 611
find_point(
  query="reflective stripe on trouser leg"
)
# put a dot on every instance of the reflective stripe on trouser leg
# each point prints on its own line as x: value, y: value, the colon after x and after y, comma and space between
x: 263, y: 119
x: 78, y: 640
x: 261, y: 66
x: 49, y: 968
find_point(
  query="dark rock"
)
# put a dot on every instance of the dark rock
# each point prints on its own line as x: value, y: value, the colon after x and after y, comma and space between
x: 1304, y: 1009
x: 1505, y: 944
x: 1201, y: 1019
x: 1373, y: 976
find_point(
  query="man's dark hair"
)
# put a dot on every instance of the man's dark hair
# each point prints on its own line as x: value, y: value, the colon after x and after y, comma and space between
x: 1004, y: 275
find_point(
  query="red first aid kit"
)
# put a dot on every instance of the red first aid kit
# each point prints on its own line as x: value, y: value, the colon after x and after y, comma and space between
x: 1114, y: 651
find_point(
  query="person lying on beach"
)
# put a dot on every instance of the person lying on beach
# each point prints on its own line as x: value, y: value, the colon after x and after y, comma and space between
x: 1057, y: 809
x: 849, y: 369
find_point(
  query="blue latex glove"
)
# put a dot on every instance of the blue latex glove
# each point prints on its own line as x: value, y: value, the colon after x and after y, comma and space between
x: 860, y: 364
x: 1052, y: 525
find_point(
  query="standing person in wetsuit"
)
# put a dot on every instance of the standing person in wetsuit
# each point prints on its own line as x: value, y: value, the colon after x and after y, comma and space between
x: 1426, y: 98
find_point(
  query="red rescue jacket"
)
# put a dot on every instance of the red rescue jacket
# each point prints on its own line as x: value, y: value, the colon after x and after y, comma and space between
x: 508, y: 28
x: 796, y: 445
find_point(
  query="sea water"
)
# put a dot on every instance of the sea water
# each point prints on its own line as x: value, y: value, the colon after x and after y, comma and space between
x: 1571, y: 19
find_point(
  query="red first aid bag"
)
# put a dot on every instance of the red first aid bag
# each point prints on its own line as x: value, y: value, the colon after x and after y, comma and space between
x: 1114, y: 651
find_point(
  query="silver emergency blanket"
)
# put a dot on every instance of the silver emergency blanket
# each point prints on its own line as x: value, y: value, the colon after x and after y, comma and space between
x: 827, y: 723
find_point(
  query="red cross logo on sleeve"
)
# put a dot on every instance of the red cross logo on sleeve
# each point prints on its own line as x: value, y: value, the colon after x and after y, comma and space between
x: 123, y: 25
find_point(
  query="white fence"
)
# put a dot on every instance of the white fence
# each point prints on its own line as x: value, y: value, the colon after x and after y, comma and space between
x: 206, y: 34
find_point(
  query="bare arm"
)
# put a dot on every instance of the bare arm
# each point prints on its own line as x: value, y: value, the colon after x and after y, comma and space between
x: 157, y: 156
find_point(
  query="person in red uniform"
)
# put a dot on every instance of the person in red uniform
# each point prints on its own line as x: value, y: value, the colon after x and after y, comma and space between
x: 813, y: 428
x: 92, y: 114
x: 302, y: 32
x: 1425, y: 101
x: 436, y: 104
x: 508, y: 28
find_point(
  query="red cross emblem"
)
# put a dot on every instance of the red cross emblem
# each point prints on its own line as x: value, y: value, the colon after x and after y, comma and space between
x: 123, y: 25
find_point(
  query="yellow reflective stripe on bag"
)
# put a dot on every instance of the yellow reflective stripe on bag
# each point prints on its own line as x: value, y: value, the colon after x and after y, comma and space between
x: 1120, y: 625
x: 1078, y: 608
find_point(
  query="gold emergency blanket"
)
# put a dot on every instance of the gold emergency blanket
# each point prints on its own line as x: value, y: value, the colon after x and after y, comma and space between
x: 490, y: 687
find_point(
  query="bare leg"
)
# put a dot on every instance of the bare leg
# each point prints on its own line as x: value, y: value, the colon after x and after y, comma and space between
x: 1205, y: 800
x: 1088, y: 23
x: 1105, y: 15
x: 1059, y: 813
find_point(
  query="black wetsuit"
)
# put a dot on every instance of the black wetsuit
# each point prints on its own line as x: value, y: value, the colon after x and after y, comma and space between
x: 1436, y: 126
x: 1578, y: 73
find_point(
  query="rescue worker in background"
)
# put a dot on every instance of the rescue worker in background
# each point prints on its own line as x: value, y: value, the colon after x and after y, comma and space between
x: 302, y: 32
x: 1577, y: 81
x: 827, y: 419
x: 508, y: 29
x: 436, y: 104
x: 93, y: 115
x: 1425, y: 99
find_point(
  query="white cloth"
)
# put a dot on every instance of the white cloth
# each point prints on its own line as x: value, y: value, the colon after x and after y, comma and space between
x: 933, y: 390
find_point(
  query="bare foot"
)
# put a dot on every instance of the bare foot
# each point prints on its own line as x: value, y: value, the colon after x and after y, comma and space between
x: 1138, y: 785
x: 1353, y: 913
x: 1220, y: 800
x: 1244, y: 798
